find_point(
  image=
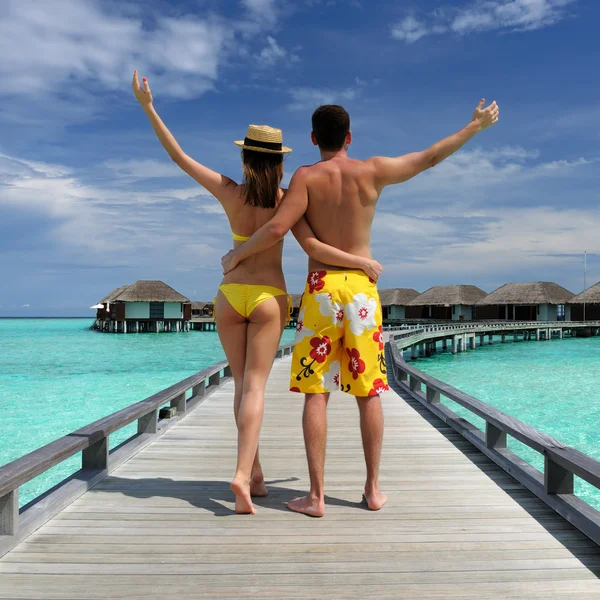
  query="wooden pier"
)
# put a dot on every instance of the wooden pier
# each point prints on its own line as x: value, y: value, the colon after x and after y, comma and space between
x: 154, y: 517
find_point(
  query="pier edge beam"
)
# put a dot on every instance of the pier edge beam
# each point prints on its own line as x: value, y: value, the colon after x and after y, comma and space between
x: 9, y: 513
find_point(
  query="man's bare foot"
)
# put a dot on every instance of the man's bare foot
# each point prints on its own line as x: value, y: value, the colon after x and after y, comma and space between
x: 243, y: 502
x: 374, y: 499
x: 258, y: 487
x: 308, y: 505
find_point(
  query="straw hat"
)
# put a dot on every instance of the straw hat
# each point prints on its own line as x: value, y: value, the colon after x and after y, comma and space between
x: 263, y: 138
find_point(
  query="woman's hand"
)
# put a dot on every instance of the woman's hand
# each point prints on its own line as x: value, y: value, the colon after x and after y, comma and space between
x: 486, y: 117
x: 143, y: 95
x: 372, y: 268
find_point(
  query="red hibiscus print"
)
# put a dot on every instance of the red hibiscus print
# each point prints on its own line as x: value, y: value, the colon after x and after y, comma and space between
x: 316, y: 281
x: 321, y: 347
x: 336, y: 380
x: 294, y: 389
x: 300, y: 326
x: 379, y: 386
x: 363, y: 313
x: 378, y: 337
x: 339, y: 315
x: 356, y: 364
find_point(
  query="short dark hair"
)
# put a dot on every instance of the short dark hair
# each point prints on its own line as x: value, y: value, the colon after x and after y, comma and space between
x: 331, y: 124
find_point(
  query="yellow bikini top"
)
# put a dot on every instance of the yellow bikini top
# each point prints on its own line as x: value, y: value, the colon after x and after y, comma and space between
x: 239, y: 238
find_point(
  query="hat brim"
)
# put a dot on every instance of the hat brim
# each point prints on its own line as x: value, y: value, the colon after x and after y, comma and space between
x: 284, y: 149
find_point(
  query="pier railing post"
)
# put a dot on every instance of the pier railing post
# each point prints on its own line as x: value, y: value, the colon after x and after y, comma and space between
x: 96, y: 455
x: 415, y: 384
x: 433, y: 396
x: 227, y: 372
x: 214, y: 379
x: 494, y: 438
x: 9, y: 513
x: 148, y: 423
x: 557, y: 479
x: 180, y: 403
x: 199, y: 390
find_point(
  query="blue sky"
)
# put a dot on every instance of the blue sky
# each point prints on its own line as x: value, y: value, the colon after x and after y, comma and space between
x: 90, y: 201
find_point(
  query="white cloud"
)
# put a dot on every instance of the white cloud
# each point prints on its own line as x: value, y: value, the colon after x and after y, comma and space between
x: 143, y: 169
x: 26, y: 306
x: 271, y: 54
x: 112, y: 224
x: 76, y: 42
x: 483, y: 15
x: 311, y: 98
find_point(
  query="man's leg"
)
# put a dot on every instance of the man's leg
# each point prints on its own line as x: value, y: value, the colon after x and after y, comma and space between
x: 314, y: 424
x: 371, y: 429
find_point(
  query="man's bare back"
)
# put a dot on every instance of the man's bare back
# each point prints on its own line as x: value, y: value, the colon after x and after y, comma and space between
x: 341, y: 205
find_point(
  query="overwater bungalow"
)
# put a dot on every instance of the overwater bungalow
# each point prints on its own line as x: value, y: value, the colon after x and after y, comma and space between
x: 533, y: 301
x: 144, y: 306
x: 448, y: 302
x: 296, y: 299
x: 394, y: 303
x: 202, y: 309
x: 588, y: 300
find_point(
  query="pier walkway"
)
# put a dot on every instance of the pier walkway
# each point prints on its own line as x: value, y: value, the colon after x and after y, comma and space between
x: 162, y: 524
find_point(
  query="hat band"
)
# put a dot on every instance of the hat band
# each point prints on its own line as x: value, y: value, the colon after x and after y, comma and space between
x: 265, y: 145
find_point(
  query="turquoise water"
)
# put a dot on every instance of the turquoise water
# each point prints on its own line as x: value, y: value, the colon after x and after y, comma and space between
x: 56, y: 375
x: 552, y: 386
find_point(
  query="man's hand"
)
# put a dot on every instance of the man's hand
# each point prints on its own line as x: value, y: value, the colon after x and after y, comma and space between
x: 486, y: 117
x: 229, y: 262
x: 142, y: 94
x: 372, y: 268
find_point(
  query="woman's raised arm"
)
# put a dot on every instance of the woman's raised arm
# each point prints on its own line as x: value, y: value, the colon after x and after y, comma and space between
x: 332, y: 256
x: 214, y: 182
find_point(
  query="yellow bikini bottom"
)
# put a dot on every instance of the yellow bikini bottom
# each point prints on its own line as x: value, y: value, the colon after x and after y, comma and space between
x: 244, y: 298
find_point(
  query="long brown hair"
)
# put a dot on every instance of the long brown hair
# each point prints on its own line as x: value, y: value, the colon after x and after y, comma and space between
x: 263, y: 172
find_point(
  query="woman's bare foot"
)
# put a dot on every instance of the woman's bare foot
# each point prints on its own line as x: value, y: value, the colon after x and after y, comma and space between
x: 243, y: 502
x: 308, y: 505
x: 375, y: 499
x: 258, y: 487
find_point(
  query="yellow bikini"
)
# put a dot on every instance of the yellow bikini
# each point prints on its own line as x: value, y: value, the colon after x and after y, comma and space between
x: 244, y: 297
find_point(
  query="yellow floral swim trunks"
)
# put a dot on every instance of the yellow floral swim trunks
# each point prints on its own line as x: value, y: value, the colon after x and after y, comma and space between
x: 339, y: 337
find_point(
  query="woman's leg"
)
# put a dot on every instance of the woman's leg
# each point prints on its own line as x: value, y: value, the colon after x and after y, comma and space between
x: 232, y: 329
x: 263, y: 335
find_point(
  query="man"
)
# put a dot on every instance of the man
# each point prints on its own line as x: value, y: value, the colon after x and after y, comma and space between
x: 339, y: 339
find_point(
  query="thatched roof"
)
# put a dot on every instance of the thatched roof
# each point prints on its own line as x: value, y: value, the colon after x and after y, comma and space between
x: 296, y: 300
x: 201, y: 305
x: 590, y: 296
x: 144, y: 291
x: 397, y: 296
x: 539, y: 292
x: 442, y: 295
x: 110, y: 297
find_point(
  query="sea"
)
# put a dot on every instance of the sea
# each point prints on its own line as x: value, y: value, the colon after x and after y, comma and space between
x: 57, y: 375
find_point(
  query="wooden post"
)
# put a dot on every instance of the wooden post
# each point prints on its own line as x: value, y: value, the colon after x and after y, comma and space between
x: 199, y: 390
x: 214, y: 379
x: 557, y: 479
x: 491, y: 338
x: 227, y: 372
x: 472, y: 342
x: 180, y: 403
x: 538, y: 335
x: 9, y: 513
x: 415, y: 384
x: 445, y: 344
x: 96, y: 456
x: 494, y: 438
x: 454, y: 344
x: 148, y: 423
x: 433, y: 396
x: 548, y: 334
x: 402, y: 374
x: 414, y: 352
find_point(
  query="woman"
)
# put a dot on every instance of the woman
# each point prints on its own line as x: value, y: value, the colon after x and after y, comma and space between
x: 252, y: 302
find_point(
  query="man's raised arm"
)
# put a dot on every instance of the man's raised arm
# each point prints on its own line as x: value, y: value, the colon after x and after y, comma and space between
x: 396, y: 170
x: 294, y: 205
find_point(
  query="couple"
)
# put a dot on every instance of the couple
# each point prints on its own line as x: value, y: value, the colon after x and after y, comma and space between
x: 329, y: 207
